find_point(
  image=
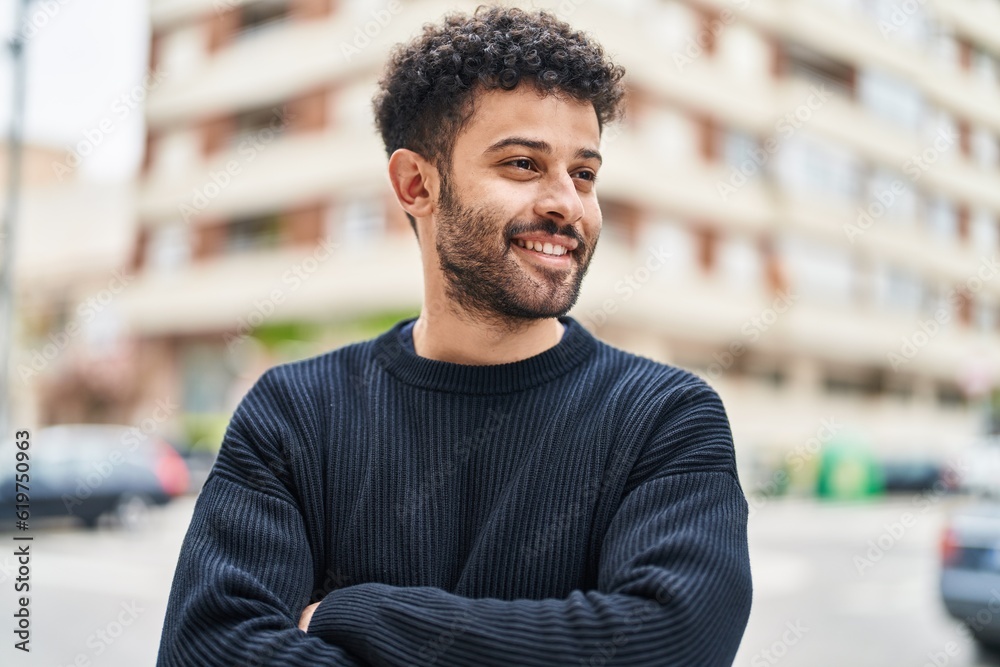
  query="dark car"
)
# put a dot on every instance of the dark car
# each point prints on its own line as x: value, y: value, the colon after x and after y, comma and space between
x: 913, y: 476
x: 87, y: 471
x: 970, y: 568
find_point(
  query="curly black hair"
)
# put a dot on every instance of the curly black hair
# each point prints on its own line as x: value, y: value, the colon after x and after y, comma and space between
x: 425, y: 95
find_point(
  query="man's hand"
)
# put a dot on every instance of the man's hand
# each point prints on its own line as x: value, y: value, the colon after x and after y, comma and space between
x: 307, y: 615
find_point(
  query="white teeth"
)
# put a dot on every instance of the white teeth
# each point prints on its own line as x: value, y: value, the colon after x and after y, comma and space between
x: 545, y: 248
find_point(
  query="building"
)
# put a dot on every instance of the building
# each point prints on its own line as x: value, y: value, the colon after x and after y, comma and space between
x: 802, y: 204
x: 73, y: 244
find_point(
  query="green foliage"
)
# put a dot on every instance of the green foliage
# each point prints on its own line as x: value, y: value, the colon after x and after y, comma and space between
x: 203, y: 431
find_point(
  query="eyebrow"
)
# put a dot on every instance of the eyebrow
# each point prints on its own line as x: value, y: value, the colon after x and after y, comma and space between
x: 540, y: 146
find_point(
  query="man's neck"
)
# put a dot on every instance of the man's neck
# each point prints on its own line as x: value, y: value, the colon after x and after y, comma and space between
x: 444, y: 336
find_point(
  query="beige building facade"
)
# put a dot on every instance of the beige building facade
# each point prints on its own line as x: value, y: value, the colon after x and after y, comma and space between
x: 802, y: 204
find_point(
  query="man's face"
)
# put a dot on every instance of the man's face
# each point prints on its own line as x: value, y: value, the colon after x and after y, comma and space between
x: 522, y: 172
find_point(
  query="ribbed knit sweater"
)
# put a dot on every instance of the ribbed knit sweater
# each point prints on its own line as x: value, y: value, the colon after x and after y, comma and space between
x: 579, y: 507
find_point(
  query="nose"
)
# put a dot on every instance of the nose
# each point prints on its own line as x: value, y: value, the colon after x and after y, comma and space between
x: 560, y: 199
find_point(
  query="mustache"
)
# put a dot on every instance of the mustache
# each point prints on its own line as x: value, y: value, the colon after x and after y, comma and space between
x: 544, y: 226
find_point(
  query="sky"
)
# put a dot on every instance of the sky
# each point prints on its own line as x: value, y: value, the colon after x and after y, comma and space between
x: 86, y: 60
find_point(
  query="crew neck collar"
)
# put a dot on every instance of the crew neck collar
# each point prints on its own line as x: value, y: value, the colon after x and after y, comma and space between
x: 395, y: 354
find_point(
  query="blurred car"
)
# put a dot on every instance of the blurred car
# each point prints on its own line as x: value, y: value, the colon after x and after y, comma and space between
x: 913, y: 476
x: 970, y: 568
x: 87, y: 471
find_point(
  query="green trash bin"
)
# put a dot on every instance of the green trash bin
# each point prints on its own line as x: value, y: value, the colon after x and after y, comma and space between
x: 848, y: 470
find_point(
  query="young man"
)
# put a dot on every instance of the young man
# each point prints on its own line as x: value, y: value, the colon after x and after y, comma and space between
x: 486, y: 484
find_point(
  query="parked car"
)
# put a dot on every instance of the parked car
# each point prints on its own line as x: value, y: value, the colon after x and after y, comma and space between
x: 970, y: 568
x: 87, y: 471
x: 913, y: 476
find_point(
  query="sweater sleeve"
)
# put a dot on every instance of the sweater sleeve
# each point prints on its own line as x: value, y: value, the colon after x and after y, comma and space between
x: 674, y: 582
x: 245, y: 570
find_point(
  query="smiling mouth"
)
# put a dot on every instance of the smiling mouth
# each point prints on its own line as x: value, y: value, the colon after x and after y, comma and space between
x: 540, y: 257
x: 552, y: 249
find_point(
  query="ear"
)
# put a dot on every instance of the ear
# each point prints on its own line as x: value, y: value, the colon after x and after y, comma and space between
x: 415, y: 182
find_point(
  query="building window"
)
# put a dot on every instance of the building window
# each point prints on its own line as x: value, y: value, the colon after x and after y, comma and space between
x: 251, y: 234
x: 897, y: 289
x: 182, y: 51
x: 818, y: 271
x: 358, y: 221
x: 740, y: 262
x: 258, y: 127
x: 943, y: 46
x: 257, y: 17
x: 892, y: 99
x: 986, y: 68
x: 804, y: 63
x: 985, y: 148
x: 949, y: 395
x: 760, y: 369
x: 177, y: 153
x: 677, y: 240
x: 942, y: 219
x: 897, y: 385
x: 942, y: 134
x: 808, y: 164
x: 860, y: 382
x: 985, y: 316
x: 738, y: 148
x: 984, y: 233
x: 891, y: 194
x: 885, y: 14
x: 169, y: 247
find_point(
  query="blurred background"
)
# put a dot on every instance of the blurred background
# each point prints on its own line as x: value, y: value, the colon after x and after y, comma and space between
x: 802, y: 206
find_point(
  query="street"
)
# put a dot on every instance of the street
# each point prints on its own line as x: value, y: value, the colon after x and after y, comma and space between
x: 822, y: 599
x: 827, y: 595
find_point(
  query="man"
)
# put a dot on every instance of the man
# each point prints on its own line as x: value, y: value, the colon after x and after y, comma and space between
x: 487, y: 483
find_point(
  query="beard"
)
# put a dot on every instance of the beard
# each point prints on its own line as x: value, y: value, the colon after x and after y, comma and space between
x: 484, y: 277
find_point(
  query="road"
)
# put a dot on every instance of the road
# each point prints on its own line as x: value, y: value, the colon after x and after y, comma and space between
x: 851, y: 585
x: 98, y: 598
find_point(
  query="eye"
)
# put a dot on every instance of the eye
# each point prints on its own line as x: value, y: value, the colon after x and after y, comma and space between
x: 521, y: 163
x: 587, y: 175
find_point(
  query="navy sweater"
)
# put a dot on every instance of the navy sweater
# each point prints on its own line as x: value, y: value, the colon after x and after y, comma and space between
x: 580, y: 507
